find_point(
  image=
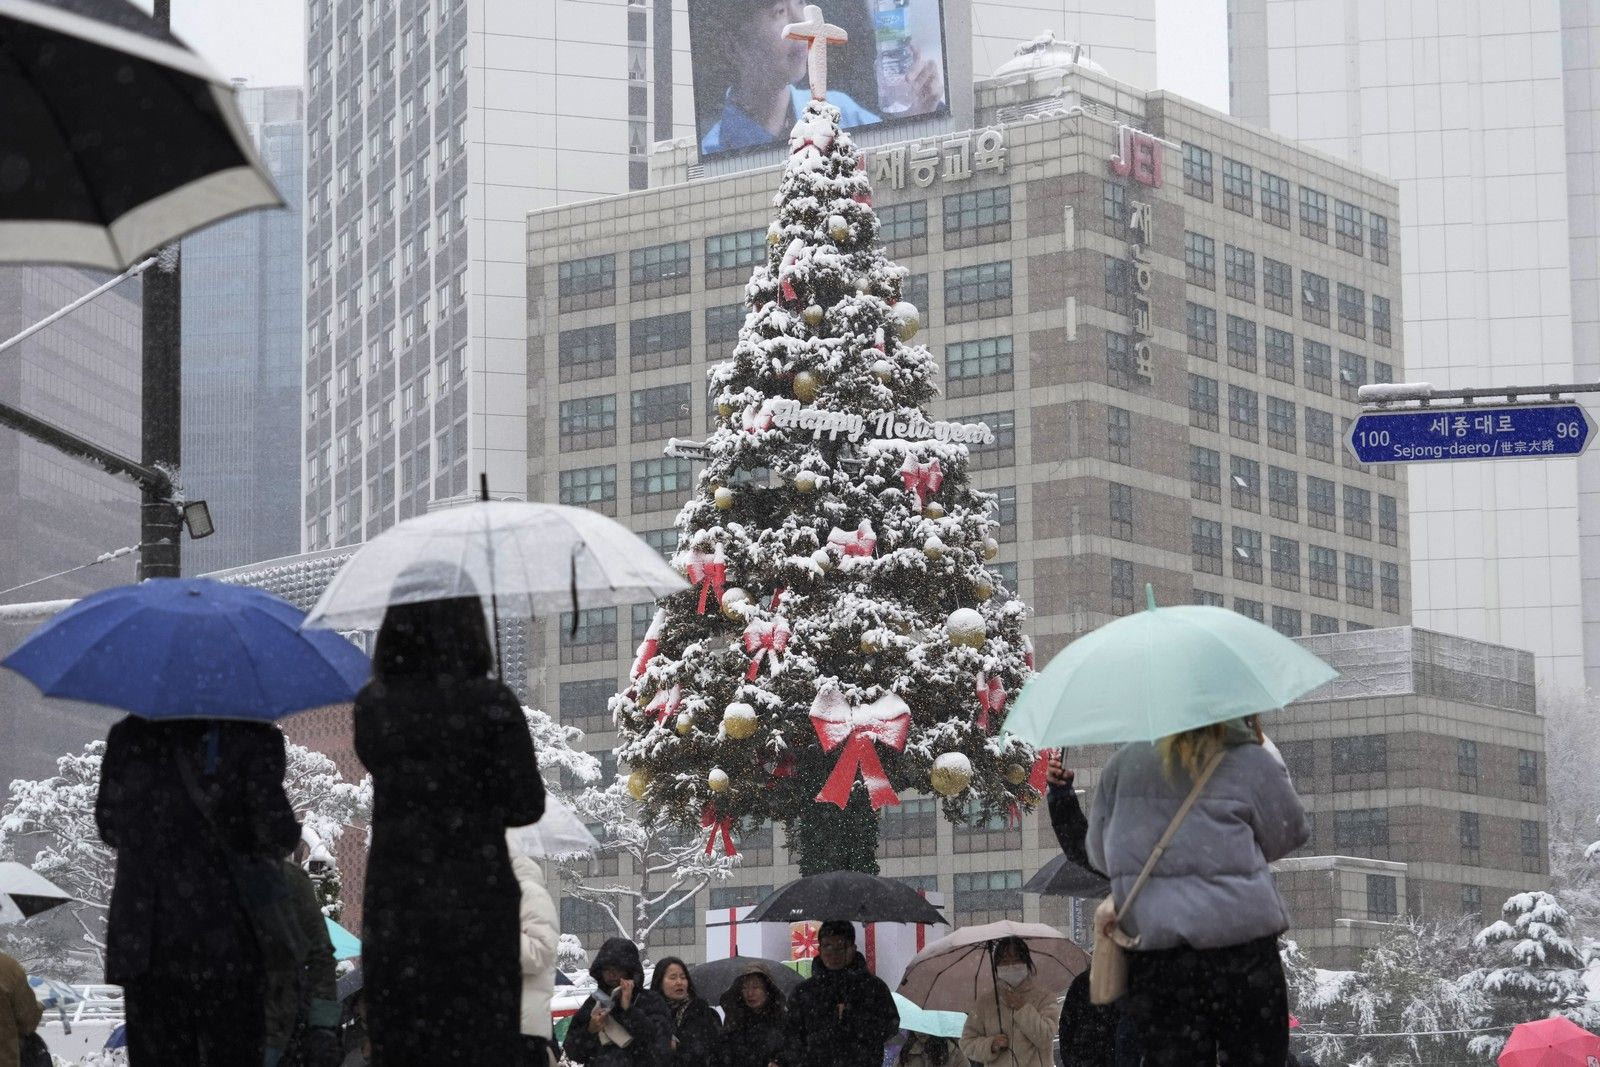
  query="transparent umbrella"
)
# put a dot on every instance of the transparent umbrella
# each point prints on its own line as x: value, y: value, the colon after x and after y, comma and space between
x: 559, y: 834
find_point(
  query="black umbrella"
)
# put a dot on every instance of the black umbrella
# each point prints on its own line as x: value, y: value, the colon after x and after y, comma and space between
x: 115, y: 138
x: 25, y: 893
x: 1060, y: 878
x: 847, y: 895
x: 712, y: 980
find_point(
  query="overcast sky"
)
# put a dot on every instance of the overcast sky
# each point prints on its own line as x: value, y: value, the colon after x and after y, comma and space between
x: 262, y: 40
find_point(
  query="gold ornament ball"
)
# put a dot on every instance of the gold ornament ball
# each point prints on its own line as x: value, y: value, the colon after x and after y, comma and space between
x: 723, y: 498
x: 813, y: 315
x: 717, y: 780
x: 933, y: 548
x: 739, y: 721
x: 966, y: 627
x: 869, y: 643
x: 805, y: 482
x: 984, y: 589
x: 951, y: 773
x: 991, y: 548
x: 863, y: 283
x: 823, y: 559
x: 908, y: 318
x: 1016, y: 773
x: 774, y: 235
x: 838, y: 229
x: 684, y: 724
x: 882, y: 370
x: 638, y: 781
x: 806, y: 385
x: 733, y: 601
x: 725, y: 408
x: 933, y: 510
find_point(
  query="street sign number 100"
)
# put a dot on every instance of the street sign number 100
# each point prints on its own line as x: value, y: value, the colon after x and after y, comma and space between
x: 1376, y: 438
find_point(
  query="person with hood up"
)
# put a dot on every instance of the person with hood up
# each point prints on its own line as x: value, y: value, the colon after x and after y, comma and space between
x: 303, y: 1001
x: 1014, y: 1020
x: 926, y: 1050
x: 695, y: 1025
x: 755, y: 1031
x: 541, y: 936
x: 452, y: 766
x: 1205, y: 982
x: 622, y: 1024
x: 843, y: 1014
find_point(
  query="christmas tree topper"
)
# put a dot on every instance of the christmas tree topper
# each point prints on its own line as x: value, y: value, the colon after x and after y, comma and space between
x: 813, y: 31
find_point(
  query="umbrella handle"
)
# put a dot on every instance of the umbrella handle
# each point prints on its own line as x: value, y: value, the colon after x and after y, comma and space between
x: 494, y: 601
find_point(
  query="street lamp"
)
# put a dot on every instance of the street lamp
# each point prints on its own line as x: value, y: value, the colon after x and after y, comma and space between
x: 197, y: 517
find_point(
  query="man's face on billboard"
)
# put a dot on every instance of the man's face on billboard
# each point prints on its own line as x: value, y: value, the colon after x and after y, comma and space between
x: 761, y: 52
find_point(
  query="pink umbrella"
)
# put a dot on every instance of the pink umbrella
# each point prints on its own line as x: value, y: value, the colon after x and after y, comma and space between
x: 952, y: 972
x: 1552, y: 1042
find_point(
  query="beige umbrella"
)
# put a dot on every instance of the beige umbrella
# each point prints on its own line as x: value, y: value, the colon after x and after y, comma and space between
x: 952, y: 972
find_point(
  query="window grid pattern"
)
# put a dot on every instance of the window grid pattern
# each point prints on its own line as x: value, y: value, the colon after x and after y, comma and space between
x: 1320, y: 503
x: 587, y: 422
x: 1348, y: 228
x: 984, y: 365
x: 1197, y: 171
x: 1242, y: 344
x: 1275, y: 200
x: 903, y: 229
x: 1200, y: 259
x: 980, y: 216
x: 1314, y: 298
x: 1200, y: 326
x: 1120, y: 510
x: 1358, y: 580
x: 659, y: 341
x: 586, y: 283
x: 1205, y: 474
x: 1352, y: 311
x: 660, y: 411
x: 1244, y: 413
x: 1281, y: 424
x: 1357, y: 512
x: 1238, y: 186
x: 1313, y: 214
x: 1317, y: 358
x: 1247, y: 554
x: 731, y: 256
x: 1244, y: 477
x: 1286, y: 564
x: 978, y: 292
x: 1119, y: 435
x: 1203, y: 402
x: 1277, y: 285
x: 660, y: 483
x: 1280, y: 355
x: 589, y: 487
x: 660, y: 270
x: 1239, y: 268
x: 1205, y: 545
x: 585, y: 353
x: 1002, y: 452
x: 1283, y: 493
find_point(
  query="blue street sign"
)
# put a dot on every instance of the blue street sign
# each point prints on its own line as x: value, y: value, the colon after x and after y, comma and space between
x: 1515, y: 431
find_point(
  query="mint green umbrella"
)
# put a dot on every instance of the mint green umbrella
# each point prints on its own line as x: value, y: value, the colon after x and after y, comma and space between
x: 346, y: 946
x: 1162, y: 671
x: 920, y: 1020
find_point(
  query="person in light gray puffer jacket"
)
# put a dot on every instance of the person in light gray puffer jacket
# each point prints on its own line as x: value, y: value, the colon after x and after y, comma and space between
x: 1205, y: 984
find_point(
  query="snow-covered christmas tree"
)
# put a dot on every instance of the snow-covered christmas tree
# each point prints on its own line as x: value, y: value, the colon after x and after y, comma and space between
x: 1539, y: 973
x: 843, y: 640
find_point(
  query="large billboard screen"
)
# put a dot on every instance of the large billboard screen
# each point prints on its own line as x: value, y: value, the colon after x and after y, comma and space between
x: 750, y: 83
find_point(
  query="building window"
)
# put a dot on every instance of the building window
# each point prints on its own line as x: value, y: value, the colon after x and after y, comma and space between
x: 1388, y: 520
x: 1378, y: 235
x: 1382, y: 903
x: 1207, y: 599
x: 980, y: 834
x: 914, y: 290
x: 1382, y: 373
x: 664, y: 541
x: 1239, y: 267
x: 1244, y: 413
x: 1313, y: 214
x: 660, y: 483
x: 588, y: 921
x: 1319, y: 499
x: 1200, y: 260
x: 1352, y: 374
x: 589, y: 487
x: 1322, y: 569
x: 1005, y: 512
x: 1123, y: 587
x: 986, y: 896
x: 910, y: 828
x: 978, y: 217
x: 1469, y: 834
x: 1119, y: 285
x: 1286, y: 566
x: 1003, y: 451
x: 1238, y: 186
x: 723, y: 324
x: 1277, y: 285
x: 1120, y: 504
x: 1347, y: 227
x: 980, y: 366
x: 660, y: 270
x: 1472, y: 902
x: 1200, y: 326
x: 1467, y: 759
x: 1247, y: 554
x: 1205, y: 545
x: 658, y: 412
x: 1352, y: 311
x: 1527, y: 768
x: 1380, y: 321
x: 1357, y: 513
x: 1358, y: 580
x: 1286, y: 621
x: 1245, y: 478
x: 590, y: 352
x: 1318, y: 361
x: 1281, y: 424
x: 584, y: 705
x: 1324, y: 624
x: 903, y: 229
x: 1314, y: 299
x: 1275, y: 200
x: 1280, y: 355
x: 1389, y: 586
x: 594, y: 637
x: 1532, y: 844
x: 1197, y: 171
x: 659, y: 341
x: 1365, y: 754
x: 1283, y: 493
x: 731, y: 256
x: 1120, y: 369
x: 587, y: 283
x: 1241, y: 344
x: 588, y: 422
x: 1119, y: 435
x: 1114, y: 206
x: 1250, y: 609
x: 1205, y: 474
x: 980, y: 292
x: 1361, y: 828
x: 1203, y: 406
x: 738, y: 896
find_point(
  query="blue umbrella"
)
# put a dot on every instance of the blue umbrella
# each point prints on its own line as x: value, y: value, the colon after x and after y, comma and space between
x: 346, y: 946
x: 190, y: 648
x: 119, y: 1037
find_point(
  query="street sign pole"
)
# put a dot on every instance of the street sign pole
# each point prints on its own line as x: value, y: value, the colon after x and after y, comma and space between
x: 1471, y: 432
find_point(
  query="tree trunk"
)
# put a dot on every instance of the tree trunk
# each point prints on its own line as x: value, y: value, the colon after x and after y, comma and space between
x: 824, y: 838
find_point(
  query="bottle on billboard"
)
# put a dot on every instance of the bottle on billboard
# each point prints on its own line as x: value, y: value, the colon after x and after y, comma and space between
x: 895, y: 56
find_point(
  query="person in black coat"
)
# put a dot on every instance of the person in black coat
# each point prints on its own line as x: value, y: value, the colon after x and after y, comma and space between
x: 452, y: 766
x: 755, y: 1033
x: 842, y: 1015
x: 620, y: 1001
x: 1089, y: 1035
x: 185, y: 804
x: 694, y: 1023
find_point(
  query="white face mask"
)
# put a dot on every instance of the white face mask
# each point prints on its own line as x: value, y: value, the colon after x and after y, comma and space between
x: 1012, y: 974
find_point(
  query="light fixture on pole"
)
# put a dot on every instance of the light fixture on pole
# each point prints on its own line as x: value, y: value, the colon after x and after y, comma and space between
x: 197, y: 517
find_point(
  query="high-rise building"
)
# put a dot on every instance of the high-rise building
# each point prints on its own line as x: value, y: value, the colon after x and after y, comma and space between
x: 1166, y: 356
x: 1483, y: 114
x: 243, y: 329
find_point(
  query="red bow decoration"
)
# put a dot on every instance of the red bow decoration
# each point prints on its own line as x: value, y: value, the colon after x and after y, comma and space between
x: 666, y: 704
x: 923, y: 479
x: 864, y: 542
x: 768, y: 639
x: 803, y: 940
x: 886, y: 720
x: 791, y: 256
x: 780, y: 768
x: 1036, y: 777
x: 650, y: 645
x: 709, y: 572
x: 757, y: 420
x: 777, y: 595
x: 991, y: 699
x: 723, y: 826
